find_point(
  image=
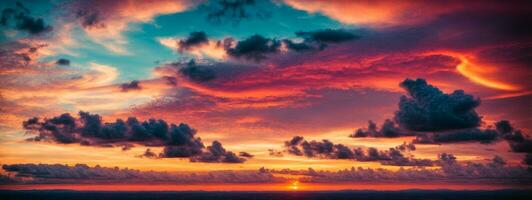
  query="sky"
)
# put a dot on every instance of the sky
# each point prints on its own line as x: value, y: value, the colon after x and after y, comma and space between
x: 266, y: 92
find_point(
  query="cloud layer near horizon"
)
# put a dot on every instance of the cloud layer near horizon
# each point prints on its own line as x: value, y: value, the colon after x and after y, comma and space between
x: 260, y: 72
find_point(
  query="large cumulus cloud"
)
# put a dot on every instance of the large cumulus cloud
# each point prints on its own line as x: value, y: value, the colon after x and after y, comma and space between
x: 426, y: 108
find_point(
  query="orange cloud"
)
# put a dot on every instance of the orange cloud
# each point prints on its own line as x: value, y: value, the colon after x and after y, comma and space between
x: 478, y: 73
x: 373, y: 13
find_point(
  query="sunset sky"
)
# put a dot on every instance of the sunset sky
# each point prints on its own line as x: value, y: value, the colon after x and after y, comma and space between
x: 174, y: 91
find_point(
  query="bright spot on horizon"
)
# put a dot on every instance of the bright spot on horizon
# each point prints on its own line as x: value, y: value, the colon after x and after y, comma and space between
x: 294, y: 185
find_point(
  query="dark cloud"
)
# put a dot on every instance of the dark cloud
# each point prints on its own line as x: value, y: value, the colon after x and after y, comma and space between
x: 89, y: 18
x: 20, y: 18
x: 179, y: 141
x: 504, y: 126
x: 81, y: 173
x: 63, y: 61
x: 507, y: 131
x: 450, y: 171
x: 133, y: 85
x: 388, y: 129
x: 446, y: 159
x: 524, y: 146
x: 245, y: 154
x: 528, y: 159
x: 275, y: 153
x: 149, y: 154
x: 318, y: 40
x: 233, y: 11
x: 324, y: 37
x: 7, y: 180
x: 216, y: 154
x: 258, y: 47
x: 426, y: 108
x: 193, y: 39
x: 326, y: 149
x: 197, y: 72
x: 254, y: 48
x: 463, y: 135
x: 183, y: 151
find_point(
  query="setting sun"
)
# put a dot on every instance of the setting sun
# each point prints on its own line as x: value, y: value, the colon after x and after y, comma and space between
x: 294, y: 185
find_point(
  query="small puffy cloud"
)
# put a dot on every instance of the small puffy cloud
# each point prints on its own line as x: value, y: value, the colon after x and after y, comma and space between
x: 426, y: 108
x: 507, y: 131
x: 149, y: 154
x: 133, y: 85
x: 245, y: 154
x: 197, y: 38
x: 63, y: 61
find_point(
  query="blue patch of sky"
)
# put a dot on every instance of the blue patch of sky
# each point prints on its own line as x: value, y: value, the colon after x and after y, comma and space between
x: 145, y: 50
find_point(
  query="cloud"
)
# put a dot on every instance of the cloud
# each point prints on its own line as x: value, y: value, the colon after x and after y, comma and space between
x: 385, y: 14
x: 210, y: 49
x: 105, y: 22
x: 426, y: 108
x: 149, y: 154
x: 195, y: 72
x: 388, y: 129
x: 81, y: 173
x: 521, y: 146
x: 133, y: 85
x: 298, y: 146
x: 507, y: 131
x: 528, y: 159
x: 63, y: 61
x: 452, y: 171
x: 245, y: 154
x: 325, y: 36
x: 20, y: 18
x: 194, y: 39
x: 234, y: 11
x: 254, y: 48
x: 463, y: 135
x: 216, y: 154
x: 319, y: 39
x: 178, y: 140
